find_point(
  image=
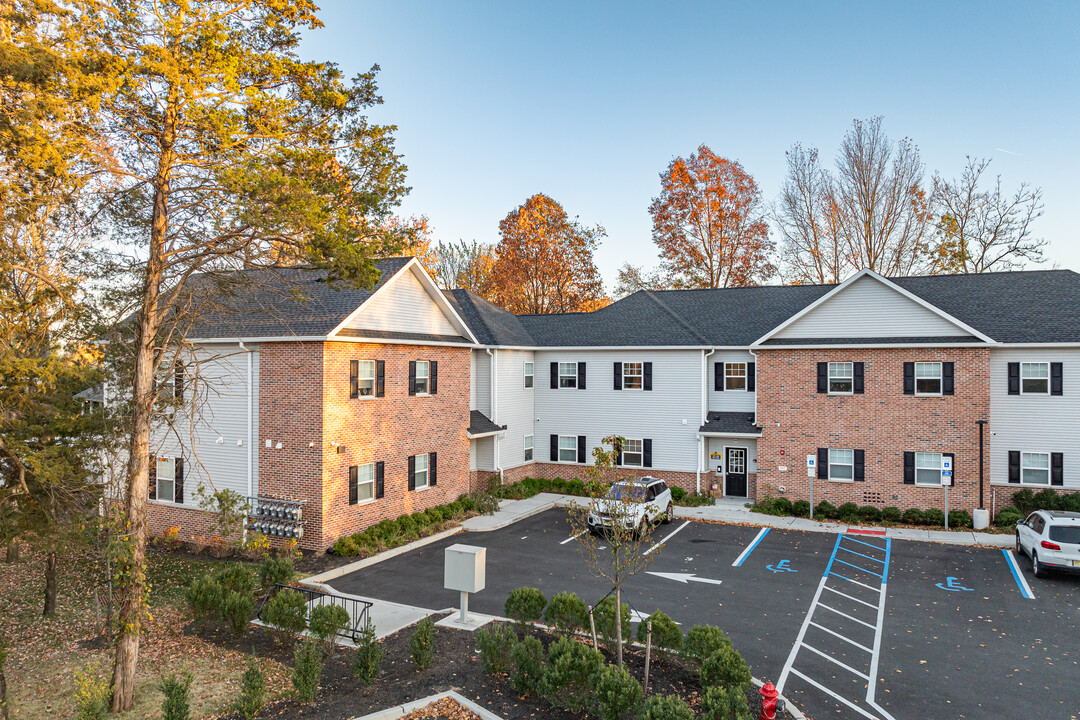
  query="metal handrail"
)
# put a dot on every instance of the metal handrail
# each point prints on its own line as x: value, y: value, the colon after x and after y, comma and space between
x: 354, y: 606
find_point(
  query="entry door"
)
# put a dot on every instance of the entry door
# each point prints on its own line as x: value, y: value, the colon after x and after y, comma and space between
x: 735, y: 477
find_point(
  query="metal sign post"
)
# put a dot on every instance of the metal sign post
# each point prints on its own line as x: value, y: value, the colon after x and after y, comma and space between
x: 946, y: 480
x: 811, y: 466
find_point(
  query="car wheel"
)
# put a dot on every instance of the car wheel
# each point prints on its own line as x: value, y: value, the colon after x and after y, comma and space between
x: 1036, y: 568
x: 669, y: 514
x: 1019, y: 547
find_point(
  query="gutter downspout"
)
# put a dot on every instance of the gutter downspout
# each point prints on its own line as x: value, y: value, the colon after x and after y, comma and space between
x: 704, y: 411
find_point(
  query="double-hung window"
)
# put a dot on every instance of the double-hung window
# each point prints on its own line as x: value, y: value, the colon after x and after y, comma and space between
x: 927, y: 378
x: 633, y: 374
x: 529, y: 447
x: 841, y: 465
x: 528, y: 374
x: 1035, y: 468
x: 735, y: 376
x: 420, y: 475
x: 841, y: 378
x: 568, y: 448
x: 362, y: 483
x: 422, y: 376
x: 632, y: 453
x: 362, y: 382
x: 166, y: 479
x: 928, y: 469
x: 1035, y: 378
x: 568, y: 372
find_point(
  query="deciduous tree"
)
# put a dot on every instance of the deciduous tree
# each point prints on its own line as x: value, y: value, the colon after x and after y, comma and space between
x: 632, y: 278
x: 812, y: 247
x: 544, y: 261
x: 467, y: 265
x: 708, y: 223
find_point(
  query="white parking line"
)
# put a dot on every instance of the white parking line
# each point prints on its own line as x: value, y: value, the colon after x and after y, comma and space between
x: 574, y: 537
x: 750, y: 548
x: 841, y: 594
x: 669, y: 536
x: 845, y: 639
x: 831, y: 659
x: 1025, y: 589
x: 833, y: 695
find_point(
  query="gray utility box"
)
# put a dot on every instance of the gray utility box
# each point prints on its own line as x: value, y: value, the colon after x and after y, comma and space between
x: 465, y: 568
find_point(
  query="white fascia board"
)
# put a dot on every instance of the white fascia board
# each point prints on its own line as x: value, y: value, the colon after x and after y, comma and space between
x: 324, y: 338
x: 588, y: 348
x: 873, y: 346
x: 887, y: 283
x: 400, y: 341
x: 269, y: 338
x: 731, y: 435
x: 1021, y: 346
x: 484, y: 435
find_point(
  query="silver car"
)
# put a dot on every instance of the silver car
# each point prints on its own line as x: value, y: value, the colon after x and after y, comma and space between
x: 1051, y: 538
x: 639, y: 502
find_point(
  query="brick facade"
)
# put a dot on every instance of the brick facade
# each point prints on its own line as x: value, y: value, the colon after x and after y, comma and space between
x: 796, y: 420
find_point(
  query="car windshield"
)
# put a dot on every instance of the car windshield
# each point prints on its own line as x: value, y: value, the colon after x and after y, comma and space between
x: 630, y: 493
x: 1065, y: 533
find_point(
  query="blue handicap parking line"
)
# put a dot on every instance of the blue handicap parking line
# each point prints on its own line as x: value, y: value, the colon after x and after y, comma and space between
x: 1021, y: 583
x: 859, y: 568
x: 746, y: 553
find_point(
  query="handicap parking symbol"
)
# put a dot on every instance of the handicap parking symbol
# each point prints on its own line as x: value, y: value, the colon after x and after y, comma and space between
x: 781, y: 566
x: 953, y: 586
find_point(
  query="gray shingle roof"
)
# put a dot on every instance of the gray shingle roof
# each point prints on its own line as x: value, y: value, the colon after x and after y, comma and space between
x: 392, y: 335
x: 730, y: 422
x: 489, y: 323
x: 481, y: 424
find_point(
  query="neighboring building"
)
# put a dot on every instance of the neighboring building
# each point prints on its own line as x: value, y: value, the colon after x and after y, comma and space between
x: 366, y: 405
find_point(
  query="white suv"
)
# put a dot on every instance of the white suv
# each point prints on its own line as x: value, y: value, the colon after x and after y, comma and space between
x: 1052, y: 539
x: 636, y: 501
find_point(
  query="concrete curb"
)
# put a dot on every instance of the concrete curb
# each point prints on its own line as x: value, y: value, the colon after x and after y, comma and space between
x: 402, y: 710
x: 510, y: 519
x: 337, y: 572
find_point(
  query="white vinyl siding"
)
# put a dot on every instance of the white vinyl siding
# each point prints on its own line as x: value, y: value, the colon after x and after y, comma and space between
x: 404, y: 306
x: 515, y: 406
x: 727, y: 401
x: 480, y: 385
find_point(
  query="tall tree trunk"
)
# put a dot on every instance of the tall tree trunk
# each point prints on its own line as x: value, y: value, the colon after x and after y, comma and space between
x: 618, y: 625
x: 3, y: 688
x: 13, y: 551
x: 131, y: 588
x: 50, y: 584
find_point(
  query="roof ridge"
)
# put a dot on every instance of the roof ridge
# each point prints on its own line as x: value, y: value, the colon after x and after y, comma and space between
x: 678, y: 319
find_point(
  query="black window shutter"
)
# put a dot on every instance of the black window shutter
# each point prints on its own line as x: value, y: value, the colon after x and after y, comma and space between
x: 554, y: 448
x: 354, y: 379
x: 860, y: 465
x: 412, y: 377
x: 823, y: 463
x: 153, y: 477
x: 647, y: 378
x: 857, y: 369
x: 909, y: 381
x: 618, y: 376
x: 178, y: 380
x: 618, y: 453
x: 554, y: 376
x: 718, y: 376
x: 1055, y: 378
x: 433, y: 377
x: 353, y: 490
x: 751, y: 377
x: 823, y: 377
x: 380, y: 475
x: 1057, y: 469
x: 1014, y: 381
x: 952, y: 459
x: 178, y: 482
x: 581, y: 376
x: 909, y: 466
x: 380, y: 378
x: 433, y: 470
x: 581, y: 448
x: 948, y: 375
x: 1014, y: 466
x: 412, y: 472
x: 646, y: 455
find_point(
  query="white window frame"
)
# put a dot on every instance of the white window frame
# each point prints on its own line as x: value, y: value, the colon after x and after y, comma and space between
x: 834, y: 464
x: 850, y: 378
x: 1024, y: 467
x: 1045, y: 379
x: 362, y: 480
x: 169, y: 462
x: 565, y: 449
x: 426, y: 377
x: 528, y: 445
x: 365, y: 382
x: 940, y: 377
x: 633, y: 380
x: 529, y: 375
x: 417, y: 485
x: 625, y: 452
x: 930, y: 462
x: 567, y: 380
x: 732, y: 372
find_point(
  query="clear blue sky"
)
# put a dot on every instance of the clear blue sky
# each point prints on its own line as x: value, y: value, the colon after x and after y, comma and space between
x: 588, y: 101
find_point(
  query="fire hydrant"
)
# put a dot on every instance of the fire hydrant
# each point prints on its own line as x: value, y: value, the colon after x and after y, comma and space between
x: 768, y: 701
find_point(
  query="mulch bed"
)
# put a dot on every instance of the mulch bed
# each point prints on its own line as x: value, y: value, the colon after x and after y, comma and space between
x: 456, y: 667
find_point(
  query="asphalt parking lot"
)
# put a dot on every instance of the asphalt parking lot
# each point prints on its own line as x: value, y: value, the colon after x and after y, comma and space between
x: 852, y: 626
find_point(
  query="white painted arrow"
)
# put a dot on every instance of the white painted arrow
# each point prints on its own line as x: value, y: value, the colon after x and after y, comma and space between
x: 684, y: 577
x: 637, y: 617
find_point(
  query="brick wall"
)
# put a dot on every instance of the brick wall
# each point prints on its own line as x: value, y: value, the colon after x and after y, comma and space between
x: 796, y: 420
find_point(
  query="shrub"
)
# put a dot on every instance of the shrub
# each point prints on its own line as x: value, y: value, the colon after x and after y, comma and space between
x: 666, y: 707
x: 486, y: 503
x: 825, y: 510
x: 934, y: 517
x: 725, y: 668
x: 525, y: 604
x: 783, y: 506
x: 252, y: 697
x: 237, y: 611
x: 205, y: 599
x: 914, y: 516
x: 666, y: 635
x: 719, y: 703
x: 678, y: 494
x: 495, y: 646
x: 408, y: 527
x: 869, y: 513
x: 422, y: 644
x: 801, y: 508
x: 848, y: 509
x: 327, y: 621
x: 236, y: 577
x: 369, y: 655
x: 527, y: 659
x: 618, y: 695
x: 346, y: 547
x: 286, y: 611
x: 698, y: 500
x: 307, y: 669
x: 577, y: 488
x: 92, y: 693
x: 702, y: 641
x: 177, y: 702
x: 1024, y: 500
x: 766, y: 506
x: 1008, y: 517
x: 959, y: 519
x: 891, y: 514
x: 276, y: 571
x: 386, y: 532
x: 604, y: 614
x: 1071, y: 502
x: 566, y: 612
x: 1047, y: 500
x: 569, y: 675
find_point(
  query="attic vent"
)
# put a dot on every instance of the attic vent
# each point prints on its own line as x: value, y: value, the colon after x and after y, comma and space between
x: 871, y: 497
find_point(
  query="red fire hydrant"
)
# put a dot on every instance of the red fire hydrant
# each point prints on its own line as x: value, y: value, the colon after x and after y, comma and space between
x: 768, y: 701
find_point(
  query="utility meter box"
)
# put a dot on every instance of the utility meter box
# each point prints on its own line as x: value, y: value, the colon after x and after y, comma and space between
x: 465, y: 568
